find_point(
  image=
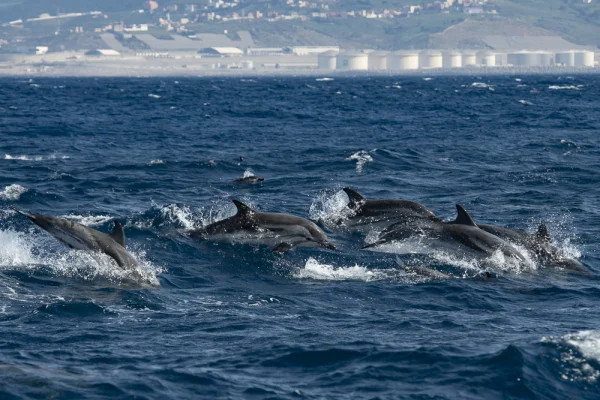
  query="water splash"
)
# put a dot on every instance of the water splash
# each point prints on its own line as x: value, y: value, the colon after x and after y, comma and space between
x: 361, y: 157
x: 577, y: 350
x: 12, y: 192
x: 313, y: 269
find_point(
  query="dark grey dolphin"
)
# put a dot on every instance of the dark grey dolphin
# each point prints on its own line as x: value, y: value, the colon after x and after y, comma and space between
x: 538, y: 244
x: 463, y: 231
x: 80, y: 237
x: 281, y: 232
x: 250, y: 179
x: 377, y: 214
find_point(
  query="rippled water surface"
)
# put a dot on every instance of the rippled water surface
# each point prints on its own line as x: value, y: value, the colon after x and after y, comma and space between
x: 233, y: 321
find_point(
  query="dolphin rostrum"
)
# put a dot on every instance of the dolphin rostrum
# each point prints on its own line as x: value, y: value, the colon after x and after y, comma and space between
x: 279, y: 231
x: 80, y: 237
x: 463, y: 231
x: 372, y: 214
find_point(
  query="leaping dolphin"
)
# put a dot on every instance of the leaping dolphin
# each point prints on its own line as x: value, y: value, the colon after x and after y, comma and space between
x: 367, y: 215
x: 80, y: 237
x: 281, y: 232
x: 539, y: 244
x: 463, y: 231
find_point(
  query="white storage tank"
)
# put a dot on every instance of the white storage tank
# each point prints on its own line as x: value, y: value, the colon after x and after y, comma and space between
x: 352, y: 60
x: 432, y: 60
x: 488, y: 59
x: 378, y: 60
x: 452, y: 60
x: 327, y: 59
x: 566, y: 58
x: 247, y: 64
x: 403, y: 61
x: 546, y: 58
x: 469, y: 59
x: 501, y: 59
x: 584, y: 59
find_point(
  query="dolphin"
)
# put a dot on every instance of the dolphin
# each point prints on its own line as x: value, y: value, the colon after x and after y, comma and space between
x: 538, y: 244
x: 462, y: 232
x: 281, y: 232
x: 366, y: 215
x: 252, y: 179
x: 80, y: 237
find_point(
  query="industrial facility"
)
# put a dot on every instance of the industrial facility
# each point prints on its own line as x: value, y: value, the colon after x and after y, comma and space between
x: 364, y: 60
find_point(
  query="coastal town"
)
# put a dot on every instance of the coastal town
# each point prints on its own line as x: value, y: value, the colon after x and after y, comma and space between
x: 296, y: 36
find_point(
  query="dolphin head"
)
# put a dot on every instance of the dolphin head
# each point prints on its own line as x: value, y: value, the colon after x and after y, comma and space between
x: 571, y: 265
x: 327, y: 245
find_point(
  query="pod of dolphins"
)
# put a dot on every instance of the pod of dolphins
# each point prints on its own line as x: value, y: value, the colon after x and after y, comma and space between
x: 398, y: 220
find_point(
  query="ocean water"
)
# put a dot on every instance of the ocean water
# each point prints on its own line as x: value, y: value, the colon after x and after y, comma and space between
x: 233, y: 321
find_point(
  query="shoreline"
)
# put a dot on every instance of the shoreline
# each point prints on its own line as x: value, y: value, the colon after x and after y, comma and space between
x: 49, y: 70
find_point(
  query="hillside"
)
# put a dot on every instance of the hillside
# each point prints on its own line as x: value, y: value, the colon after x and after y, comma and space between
x: 575, y: 21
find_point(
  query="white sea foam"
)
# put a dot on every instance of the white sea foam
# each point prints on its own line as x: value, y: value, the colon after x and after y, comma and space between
x: 427, y: 79
x: 581, y: 348
x: 156, y: 162
x: 154, y: 96
x: 89, y: 220
x: 313, y: 269
x: 324, y: 79
x: 480, y: 85
x: 565, y: 87
x: 361, y: 157
x: 527, y: 103
x: 12, y: 192
x: 35, y: 158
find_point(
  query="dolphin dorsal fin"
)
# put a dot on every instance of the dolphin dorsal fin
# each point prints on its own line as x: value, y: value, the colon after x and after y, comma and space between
x: 463, y: 217
x: 356, y: 199
x: 118, y: 234
x: 542, y: 233
x: 243, y: 209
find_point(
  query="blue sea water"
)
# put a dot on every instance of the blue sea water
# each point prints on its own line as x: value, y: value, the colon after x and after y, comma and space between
x: 232, y: 321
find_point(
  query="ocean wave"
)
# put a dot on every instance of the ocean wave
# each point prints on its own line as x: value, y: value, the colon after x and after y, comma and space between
x: 579, y: 355
x: 324, y: 79
x: 12, y: 192
x: 156, y: 162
